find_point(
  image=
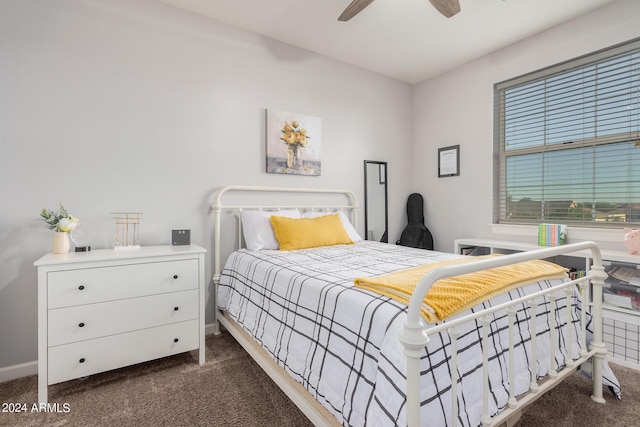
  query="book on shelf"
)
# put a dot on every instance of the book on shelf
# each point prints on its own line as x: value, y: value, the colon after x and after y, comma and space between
x: 552, y: 234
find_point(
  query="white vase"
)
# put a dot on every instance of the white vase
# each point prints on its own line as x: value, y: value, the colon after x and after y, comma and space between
x: 60, y: 243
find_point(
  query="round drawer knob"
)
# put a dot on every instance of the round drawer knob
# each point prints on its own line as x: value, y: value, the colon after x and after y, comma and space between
x: 82, y: 360
x: 176, y: 340
x: 81, y: 287
x: 176, y: 308
x: 175, y: 276
x: 81, y: 324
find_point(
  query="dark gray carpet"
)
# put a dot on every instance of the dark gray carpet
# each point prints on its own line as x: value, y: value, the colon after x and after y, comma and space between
x: 228, y: 390
x: 231, y: 390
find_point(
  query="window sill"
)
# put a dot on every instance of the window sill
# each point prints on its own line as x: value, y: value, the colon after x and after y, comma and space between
x: 575, y: 233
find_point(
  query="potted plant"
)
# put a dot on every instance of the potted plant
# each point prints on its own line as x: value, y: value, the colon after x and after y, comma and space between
x: 62, y: 223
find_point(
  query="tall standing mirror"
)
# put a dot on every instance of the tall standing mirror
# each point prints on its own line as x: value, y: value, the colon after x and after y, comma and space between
x: 375, y: 201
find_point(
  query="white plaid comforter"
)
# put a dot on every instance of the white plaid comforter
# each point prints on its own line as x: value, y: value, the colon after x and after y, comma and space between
x: 341, y: 342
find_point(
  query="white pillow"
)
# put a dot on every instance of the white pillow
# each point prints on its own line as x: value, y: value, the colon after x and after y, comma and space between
x: 257, y: 230
x: 353, y: 234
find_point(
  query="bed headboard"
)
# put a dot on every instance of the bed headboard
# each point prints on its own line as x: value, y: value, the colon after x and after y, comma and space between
x: 236, y: 198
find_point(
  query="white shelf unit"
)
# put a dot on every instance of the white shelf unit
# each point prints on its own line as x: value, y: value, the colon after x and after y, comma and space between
x: 621, y: 329
x: 107, y: 309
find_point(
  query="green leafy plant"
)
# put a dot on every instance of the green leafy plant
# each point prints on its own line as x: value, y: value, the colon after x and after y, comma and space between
x: 60, y: 220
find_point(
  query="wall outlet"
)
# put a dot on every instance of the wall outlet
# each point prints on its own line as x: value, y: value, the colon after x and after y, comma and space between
x: 180, y: 237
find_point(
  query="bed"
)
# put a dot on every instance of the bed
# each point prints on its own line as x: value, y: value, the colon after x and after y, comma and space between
x: 347, y: 355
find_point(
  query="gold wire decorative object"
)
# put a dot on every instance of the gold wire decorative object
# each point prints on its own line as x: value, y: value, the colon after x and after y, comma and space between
x: 127, y: 229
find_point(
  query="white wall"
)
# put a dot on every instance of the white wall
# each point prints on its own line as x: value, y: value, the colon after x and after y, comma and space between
x: 132, y: 105
x: 457, y: 108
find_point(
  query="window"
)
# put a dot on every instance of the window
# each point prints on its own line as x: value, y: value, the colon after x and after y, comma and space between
x: 567, y: 142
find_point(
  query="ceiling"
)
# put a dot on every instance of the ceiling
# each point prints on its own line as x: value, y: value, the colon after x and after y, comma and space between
x: 404, y: 39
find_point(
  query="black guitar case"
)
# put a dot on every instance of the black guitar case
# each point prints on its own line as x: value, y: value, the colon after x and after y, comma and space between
x: 416, y: 234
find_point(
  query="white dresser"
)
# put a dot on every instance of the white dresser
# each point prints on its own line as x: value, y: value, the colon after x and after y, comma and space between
x: 103, y: 309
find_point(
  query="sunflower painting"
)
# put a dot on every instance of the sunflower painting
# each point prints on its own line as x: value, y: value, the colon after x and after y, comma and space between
x: 293, y: 143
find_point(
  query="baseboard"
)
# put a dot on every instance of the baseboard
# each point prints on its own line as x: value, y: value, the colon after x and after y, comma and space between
x: 9, y: 373
x: 631, y: 365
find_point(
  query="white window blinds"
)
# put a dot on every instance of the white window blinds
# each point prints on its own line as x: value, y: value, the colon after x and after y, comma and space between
x: 568, y: 142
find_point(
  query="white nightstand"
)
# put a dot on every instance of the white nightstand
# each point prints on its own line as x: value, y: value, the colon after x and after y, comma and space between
x: 103, y: 310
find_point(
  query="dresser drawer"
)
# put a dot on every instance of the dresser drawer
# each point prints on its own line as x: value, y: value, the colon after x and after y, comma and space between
x: 71, y: 324
x: 92, y: 356
x: 85, y: 286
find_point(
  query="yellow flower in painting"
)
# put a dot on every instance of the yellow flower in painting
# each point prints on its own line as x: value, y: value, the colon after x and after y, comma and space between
x: 289, y: 137
x: 293, y: 134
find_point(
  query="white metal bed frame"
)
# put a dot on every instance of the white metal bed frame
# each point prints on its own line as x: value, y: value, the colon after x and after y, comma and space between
x: 415, y: 334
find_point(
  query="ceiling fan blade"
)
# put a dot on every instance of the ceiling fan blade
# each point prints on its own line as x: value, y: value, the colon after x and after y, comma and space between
x: 446, y: 7
x: 353, y: 9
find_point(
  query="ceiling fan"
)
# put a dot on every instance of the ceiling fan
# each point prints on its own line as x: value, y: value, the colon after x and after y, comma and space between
x: 446, y: 7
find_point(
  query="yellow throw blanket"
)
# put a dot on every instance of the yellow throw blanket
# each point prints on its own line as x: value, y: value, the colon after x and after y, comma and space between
x: 453, y: 295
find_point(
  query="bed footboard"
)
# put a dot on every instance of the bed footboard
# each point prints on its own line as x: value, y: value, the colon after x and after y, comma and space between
x: 415, y: 335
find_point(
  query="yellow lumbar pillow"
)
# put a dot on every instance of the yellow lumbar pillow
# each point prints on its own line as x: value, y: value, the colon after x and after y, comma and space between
x: 301, y: 233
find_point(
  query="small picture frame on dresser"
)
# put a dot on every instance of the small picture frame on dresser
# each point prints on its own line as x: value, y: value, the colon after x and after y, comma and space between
x: 180, y: 237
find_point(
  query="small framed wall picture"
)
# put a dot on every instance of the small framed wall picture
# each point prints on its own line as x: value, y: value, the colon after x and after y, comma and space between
x: 449, y: 161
